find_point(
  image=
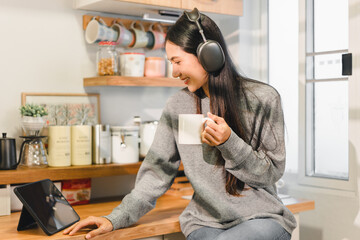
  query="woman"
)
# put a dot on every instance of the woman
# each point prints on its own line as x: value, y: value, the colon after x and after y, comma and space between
x: 233, y: 173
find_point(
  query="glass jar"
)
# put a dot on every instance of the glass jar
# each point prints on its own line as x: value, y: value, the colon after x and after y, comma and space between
x: 106, y: 59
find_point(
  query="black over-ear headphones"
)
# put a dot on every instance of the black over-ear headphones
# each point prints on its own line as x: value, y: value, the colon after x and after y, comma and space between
x: 210, y: 54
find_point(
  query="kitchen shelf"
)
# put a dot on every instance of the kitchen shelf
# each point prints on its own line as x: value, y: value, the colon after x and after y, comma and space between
x: 133, y: 81
x: 25, y: 175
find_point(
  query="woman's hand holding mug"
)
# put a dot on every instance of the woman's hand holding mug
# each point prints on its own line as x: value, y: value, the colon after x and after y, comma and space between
x: 102, y: 225
x: 215, y: 132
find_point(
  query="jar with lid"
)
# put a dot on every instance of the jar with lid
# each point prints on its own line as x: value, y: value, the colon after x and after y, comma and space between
x: 106, y: 59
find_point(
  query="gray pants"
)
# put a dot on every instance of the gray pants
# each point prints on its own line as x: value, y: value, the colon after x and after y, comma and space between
x: 255, y: 229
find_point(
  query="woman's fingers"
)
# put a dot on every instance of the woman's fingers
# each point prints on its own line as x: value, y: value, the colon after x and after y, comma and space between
x: 77, y: 226
x: 212, y: 132
x: 96, y: 232
x: 207, y: 138
x: 216, y: 118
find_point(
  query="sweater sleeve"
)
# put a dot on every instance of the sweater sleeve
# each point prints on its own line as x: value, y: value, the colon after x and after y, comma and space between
x: 154, y: 178
x: 266, y: 164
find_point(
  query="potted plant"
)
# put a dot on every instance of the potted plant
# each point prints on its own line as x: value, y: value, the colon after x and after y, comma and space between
x: 32, y: 118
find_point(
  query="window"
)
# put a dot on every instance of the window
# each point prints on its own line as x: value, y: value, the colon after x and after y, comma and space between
x: 326, y: 90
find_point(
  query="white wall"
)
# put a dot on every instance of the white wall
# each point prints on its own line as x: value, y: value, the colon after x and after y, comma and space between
x: 43, y: 50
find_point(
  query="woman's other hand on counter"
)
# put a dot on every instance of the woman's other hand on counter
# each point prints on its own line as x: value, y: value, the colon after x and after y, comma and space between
x: 101, y: 224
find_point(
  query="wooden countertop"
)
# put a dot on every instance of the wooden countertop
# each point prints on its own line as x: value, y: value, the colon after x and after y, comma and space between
x: 164, y: 219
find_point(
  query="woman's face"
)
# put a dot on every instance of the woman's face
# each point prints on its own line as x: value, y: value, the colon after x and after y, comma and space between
x: 187, y: 67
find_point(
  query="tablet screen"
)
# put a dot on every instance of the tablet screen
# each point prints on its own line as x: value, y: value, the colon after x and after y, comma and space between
x: 47, y: 205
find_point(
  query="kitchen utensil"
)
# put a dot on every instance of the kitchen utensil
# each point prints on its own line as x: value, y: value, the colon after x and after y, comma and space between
x: 190, y: 128
x: 132, y: 64
x: 106, y: 59
x: 97, y: 31
x: 156, y: 37
x: 7, y: 153
x: 154, y: 67
x: 147, y: 133
x: 101, y: 144
x: 81, y: 145
x: 125, y: 37
x: 125, y: 144
x: 140, y: 37
x: 59, y: 146
x: 32, y: 152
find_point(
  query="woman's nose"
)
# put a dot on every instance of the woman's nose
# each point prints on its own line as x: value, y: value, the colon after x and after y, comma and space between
x: 175, y: 72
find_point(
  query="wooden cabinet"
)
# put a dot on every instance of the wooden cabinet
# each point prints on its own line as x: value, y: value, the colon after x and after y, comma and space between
x: 229, y: 7
x: 139, y: 7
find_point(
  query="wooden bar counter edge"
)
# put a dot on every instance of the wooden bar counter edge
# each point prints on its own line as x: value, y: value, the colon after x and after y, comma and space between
x: 163, y: 219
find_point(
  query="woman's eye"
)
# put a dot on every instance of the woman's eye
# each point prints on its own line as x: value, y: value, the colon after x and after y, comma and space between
x: 178, y: 62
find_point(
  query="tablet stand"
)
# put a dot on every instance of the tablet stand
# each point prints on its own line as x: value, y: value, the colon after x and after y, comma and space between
x: 26, y: 221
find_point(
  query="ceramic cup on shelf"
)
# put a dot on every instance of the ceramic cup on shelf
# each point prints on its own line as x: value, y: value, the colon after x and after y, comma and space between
x: 97, y: 31
x: 156, y: 37
x: 140, y: 37
x: 125, y: 37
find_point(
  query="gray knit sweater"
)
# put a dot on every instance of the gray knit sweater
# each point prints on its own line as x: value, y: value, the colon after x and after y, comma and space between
x: 211, y: 205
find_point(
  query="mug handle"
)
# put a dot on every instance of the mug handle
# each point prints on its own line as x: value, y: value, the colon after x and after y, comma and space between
x: 102, y: 21
x: 119, y: 22
x: 140, y: 24
x: 158, y: 25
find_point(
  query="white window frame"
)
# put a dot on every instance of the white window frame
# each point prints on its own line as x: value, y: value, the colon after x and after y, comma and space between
x: 315, y: 181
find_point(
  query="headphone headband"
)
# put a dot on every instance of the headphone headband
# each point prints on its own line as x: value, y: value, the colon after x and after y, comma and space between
x: 194, y: 16
x: 210, y: 54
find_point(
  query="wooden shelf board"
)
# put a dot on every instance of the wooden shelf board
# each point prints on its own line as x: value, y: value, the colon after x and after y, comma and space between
x: 132, y: 81
x: 25, y: 175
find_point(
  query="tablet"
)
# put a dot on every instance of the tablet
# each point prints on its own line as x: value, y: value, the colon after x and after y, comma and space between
x: 44, y: 204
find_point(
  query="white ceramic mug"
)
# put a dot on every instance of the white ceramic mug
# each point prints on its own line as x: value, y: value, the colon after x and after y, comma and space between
x: 97, y: 31
x: 191, y: 127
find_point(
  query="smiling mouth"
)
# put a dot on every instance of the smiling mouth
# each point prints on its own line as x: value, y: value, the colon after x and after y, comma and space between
x: 185, y: 80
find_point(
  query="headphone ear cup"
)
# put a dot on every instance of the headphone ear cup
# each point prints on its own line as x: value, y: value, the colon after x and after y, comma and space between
x: 211, y: 56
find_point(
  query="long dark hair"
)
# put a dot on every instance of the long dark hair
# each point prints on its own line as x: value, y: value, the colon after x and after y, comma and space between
x: 224, y: 84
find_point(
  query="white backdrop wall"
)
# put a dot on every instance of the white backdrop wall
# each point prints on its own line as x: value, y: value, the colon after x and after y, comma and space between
x: 43, y: 50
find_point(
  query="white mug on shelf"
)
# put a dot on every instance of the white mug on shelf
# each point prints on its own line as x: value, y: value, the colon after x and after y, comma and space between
x: 97, y: 31
x: 141, y: 39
